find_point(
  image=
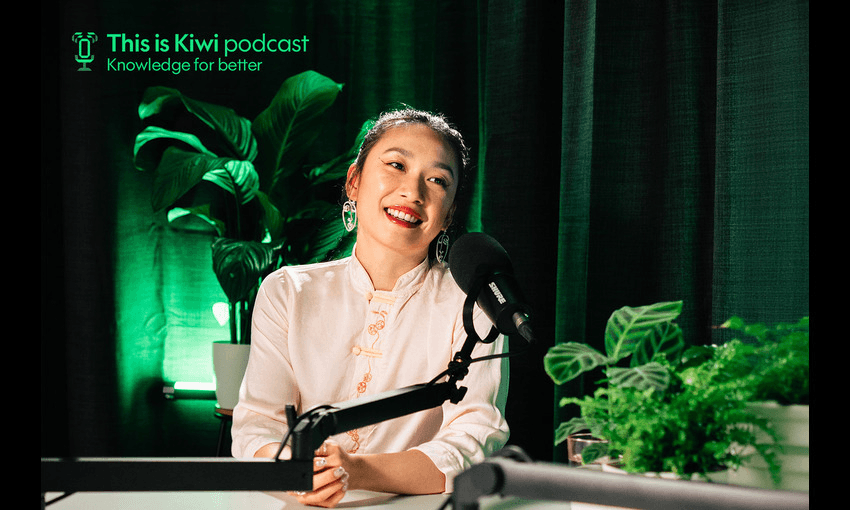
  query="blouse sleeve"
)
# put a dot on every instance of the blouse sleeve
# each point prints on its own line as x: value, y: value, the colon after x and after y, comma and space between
x: 269, y: 383
x: 475, y: 427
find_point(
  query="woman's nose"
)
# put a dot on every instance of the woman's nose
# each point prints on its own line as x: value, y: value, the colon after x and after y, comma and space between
x: 412, y: 188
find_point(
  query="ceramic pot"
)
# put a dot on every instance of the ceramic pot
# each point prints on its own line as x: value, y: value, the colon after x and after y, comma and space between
x: 791, y: 424
x: 229, y: 362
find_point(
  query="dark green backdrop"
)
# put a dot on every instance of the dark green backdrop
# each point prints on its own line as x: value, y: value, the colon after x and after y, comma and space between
x: 627, y: 153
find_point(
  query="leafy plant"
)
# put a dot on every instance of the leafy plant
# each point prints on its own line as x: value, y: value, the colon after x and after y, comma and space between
x: 251, y: 182
x: 774, y: 361
x: 647, y: 334
x: 674, y: 409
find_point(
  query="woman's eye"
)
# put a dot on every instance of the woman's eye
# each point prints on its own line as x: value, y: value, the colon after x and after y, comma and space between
x: 439, y: 180
x: 396, y: 165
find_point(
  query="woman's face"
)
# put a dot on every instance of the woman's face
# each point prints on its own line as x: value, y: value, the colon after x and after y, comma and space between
x: 406, y: 190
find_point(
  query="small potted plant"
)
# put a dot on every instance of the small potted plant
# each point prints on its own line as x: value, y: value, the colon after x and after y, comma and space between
x: 659, y: 408
x: 254, y: 184
x: 774, y: 362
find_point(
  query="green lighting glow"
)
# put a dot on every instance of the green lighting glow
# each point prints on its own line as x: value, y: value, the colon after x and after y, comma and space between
x: 221, y: 311
x: 194, y: 386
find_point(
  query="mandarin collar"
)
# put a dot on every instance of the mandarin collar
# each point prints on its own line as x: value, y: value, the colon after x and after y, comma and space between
x: 406, y: 285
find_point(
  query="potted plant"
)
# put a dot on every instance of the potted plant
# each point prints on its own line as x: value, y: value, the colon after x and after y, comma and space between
x: 774, y: 360
x: 253, y: 183
x: 659, y: 408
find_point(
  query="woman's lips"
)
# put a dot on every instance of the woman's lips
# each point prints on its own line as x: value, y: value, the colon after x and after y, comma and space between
x: 403, y: 216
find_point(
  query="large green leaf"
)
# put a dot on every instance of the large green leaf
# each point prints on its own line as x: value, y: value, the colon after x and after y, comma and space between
x: 237, y: 177
x: 628, y: 327
x: 337, y: 168
x: 317, y: 234
x: 240, y: 265
x: 180, y: 170
x: 274, y: 220
x: 286, y: 129
x: 183, y: 161
x: 651, y: 375
x: 666, y: 340
x: 152, y: 142
x: 566, y: 361
x: 567, y: 428
x: 168, y: 107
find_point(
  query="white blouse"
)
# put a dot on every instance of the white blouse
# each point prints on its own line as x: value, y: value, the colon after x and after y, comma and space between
x: 323, y: 335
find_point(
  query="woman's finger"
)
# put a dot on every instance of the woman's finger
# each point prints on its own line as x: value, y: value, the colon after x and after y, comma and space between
x: 323, y: 450
x: 329, y: 478
x: 330, y: 487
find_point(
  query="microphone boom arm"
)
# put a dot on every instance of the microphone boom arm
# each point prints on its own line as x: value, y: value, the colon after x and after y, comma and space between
x: 313, y: 427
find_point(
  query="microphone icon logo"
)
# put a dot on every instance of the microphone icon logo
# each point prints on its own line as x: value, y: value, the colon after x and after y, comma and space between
x: 84, y: 55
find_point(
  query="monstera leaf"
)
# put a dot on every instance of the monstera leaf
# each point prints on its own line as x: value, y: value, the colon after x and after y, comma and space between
x: 286, y: 129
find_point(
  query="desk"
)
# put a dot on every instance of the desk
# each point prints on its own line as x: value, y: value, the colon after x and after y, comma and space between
x: 141, y: 484
x: 362, y: 500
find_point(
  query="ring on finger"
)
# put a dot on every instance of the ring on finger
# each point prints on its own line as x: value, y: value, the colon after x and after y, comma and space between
x: 344, y: 479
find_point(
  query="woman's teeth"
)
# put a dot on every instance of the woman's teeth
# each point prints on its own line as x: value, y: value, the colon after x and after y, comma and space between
x: 403, y: 216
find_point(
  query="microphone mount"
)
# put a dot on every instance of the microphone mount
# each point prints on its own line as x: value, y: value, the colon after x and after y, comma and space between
x: 313, y: 427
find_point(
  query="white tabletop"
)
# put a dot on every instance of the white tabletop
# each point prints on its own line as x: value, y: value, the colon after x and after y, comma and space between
x: 192, y: 500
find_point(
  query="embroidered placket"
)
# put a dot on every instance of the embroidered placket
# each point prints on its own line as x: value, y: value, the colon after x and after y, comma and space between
x: 378, y: 310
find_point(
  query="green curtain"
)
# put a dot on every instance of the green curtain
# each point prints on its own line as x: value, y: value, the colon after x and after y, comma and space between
x: 625, y: 153
x: 684, y: 170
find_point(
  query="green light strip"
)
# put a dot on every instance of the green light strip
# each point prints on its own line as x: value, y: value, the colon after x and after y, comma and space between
x: 196, y: 386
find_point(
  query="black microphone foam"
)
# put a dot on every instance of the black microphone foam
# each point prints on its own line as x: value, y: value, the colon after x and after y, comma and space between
x: 477, y: 254
x: 481, y: 266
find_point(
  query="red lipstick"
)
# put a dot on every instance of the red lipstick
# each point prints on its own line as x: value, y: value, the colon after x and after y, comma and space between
x: 403, y: 216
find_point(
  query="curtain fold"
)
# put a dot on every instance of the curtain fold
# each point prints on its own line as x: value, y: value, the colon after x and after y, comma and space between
x: 575, y: 182
x: 518, y: 183
x: 762, y: 181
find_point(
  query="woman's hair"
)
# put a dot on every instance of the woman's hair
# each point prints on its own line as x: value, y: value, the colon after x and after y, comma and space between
x: 395, y: 118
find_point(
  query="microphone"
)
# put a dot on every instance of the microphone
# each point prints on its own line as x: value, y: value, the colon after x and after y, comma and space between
x: 481, y: 265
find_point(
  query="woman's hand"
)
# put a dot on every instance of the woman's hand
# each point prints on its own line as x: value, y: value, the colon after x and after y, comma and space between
x: 330, y: 477
x: 407, y: 472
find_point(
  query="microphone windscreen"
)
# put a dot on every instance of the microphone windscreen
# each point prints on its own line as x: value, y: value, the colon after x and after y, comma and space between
x: 475, y: 254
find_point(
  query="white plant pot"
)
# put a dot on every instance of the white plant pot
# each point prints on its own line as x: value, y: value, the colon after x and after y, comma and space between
x: 717, y: 476
x: 229, y: 362
x: 791, y: 424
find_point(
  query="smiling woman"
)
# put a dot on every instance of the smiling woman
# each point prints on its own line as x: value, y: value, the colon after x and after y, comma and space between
x: 387, y: 317
x: 405, y: 192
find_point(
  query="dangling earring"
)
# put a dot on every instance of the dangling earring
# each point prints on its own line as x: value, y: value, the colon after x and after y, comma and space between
x: 442, y: 246
x: 349, y: 215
